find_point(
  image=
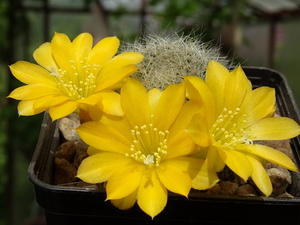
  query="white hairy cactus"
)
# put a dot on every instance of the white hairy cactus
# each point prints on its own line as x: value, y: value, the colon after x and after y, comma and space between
x: 168, y: 58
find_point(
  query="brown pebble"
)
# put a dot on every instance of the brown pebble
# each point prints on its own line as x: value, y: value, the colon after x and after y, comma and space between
x: 67, y: 159
x: 285, y: 195
x: 228, y: 187
x: 66, y: 151
x: 65, y: 172
x: 239, y: 180
x: 214, y: 190
x: 81, y: 153
x: 247, y: 190
x: 280, y: 179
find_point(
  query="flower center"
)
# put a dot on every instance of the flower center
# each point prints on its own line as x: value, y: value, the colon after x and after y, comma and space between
x: 78, y: 81
x: 228, y: 130
x: 149, y: 145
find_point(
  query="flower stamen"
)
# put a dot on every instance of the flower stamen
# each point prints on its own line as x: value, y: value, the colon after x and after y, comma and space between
x: 149, y: 145
x: 77, y: 85
x: 227, y: 132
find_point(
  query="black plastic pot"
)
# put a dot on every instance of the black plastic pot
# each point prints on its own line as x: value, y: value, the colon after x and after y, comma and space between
x: 86, y: 205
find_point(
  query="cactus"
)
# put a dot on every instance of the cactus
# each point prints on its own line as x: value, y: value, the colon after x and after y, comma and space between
x: 168, y: 58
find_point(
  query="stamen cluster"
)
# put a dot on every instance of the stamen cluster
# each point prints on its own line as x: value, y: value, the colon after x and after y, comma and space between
x: 227, y: 132
x: 79, y: 81
x: 149, y: 145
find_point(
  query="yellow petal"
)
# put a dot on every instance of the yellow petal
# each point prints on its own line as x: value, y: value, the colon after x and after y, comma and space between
x: 103, y: 102
x: 122, y: 60
x: 62, y: 110
x: 172, y: 99
x: 271, y: 155
x: 174, y: 178
x: 91, y: 100
x: 92, y: 151
x: 188, y: 110
x: 153, y: 97
x: 63, y: 51
x: 214, y: 161
x: 118, y: 122
x: 259, y: 104
x: 186, y: 163
x: 204, y: 178
x: 110, y: 103
x: 179, y: 145
x: 198, y: 90
x: 216, y: 75
x: 90, y: 113
x: 236, y: 82
x: 124, y: 181
x: 275, y: 128
x: 198, y: 131
x: 237, y: 162
x: 30, y: 73
x: 125, y: 203
x: 116, y: 86
x: 103, y: 51
x: 43, y: 56
x: 200, y: 152
x: 194, y: 85
x: 82, y: 45
x: 108, y: 80
x: 99, y: 167
x: 260, y: 176
x: 33, y: 91
x: 104, y: 137
x: 152, y: 195
x: 26, y: 108
x: 134, y: 102
x: 48, y: 101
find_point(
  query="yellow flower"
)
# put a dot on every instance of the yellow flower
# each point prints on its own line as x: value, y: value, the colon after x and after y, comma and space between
x: 143, y: 154
x: 73, y: 75
x: 233, y: 117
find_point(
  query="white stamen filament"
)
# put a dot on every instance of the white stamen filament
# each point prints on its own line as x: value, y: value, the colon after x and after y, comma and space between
x: 77, y: 83
x: 149, y: 146
x: 227, y: 132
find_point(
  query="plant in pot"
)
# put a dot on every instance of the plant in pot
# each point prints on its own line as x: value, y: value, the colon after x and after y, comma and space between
x: 158, y: 143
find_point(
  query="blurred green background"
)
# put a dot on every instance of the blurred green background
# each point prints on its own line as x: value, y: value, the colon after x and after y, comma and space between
x: 250, y: 33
